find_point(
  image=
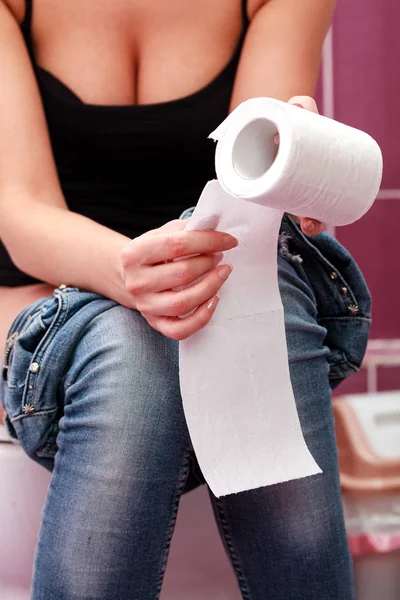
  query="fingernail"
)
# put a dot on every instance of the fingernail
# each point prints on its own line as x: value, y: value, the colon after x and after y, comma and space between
x: 224, y: 272
x: 309, y: 225
x: 230, y: 242
x: 213, y: 304
x: 219, y: 256
x: 276, y: 139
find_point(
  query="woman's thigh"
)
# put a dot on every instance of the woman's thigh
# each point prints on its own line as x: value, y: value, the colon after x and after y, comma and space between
x: 120, y: 468
x: 288, y: 541
x: 103, y: 404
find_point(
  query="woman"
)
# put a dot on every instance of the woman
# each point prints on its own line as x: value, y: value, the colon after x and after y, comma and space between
x: 103, y: 144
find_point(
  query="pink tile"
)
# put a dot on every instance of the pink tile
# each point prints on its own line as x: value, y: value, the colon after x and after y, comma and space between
x: 388, y: 378
x: 366, y: 75
x: 356, y: 384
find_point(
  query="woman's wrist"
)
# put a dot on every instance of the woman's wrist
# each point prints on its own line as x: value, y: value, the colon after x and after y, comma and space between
x: 112, y: 284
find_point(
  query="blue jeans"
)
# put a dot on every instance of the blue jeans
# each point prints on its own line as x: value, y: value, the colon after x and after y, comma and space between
x: 91, y: 392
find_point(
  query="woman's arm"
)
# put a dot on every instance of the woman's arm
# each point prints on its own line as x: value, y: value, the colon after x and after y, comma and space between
x: 55, y: 245
x: 281, y: 57
x: 282, y: 50
x: 43, y: 237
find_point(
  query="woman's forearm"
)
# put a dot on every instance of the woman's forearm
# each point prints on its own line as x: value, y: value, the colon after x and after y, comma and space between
x: 43, y: 238
x: 57, y: 246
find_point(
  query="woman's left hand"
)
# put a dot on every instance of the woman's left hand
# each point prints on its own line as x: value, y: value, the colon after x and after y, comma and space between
x: 308, y: 225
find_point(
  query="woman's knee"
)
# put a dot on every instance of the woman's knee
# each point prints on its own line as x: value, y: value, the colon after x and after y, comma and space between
x: 309, y: 513
x: 123, y: 359
x: 122, y: 392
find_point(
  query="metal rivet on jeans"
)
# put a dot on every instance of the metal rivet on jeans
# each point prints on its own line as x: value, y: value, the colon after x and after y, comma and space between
x: 334, y: 275
x: 28, y: 409
x: 345, y: 290
x: 354, y: 310
x: 34, y: 368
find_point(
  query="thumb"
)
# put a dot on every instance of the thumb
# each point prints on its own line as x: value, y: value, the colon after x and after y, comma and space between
x: 306, y: 102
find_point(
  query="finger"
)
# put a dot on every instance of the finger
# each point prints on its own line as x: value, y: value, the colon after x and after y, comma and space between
x: 302, y: 102
x: 175, y: 304
x: 175, y: 225
x: 311, y: 226
x: 167, y: 246
x: 305, y: 102
x: 180, y: 329
x: 164, y: 277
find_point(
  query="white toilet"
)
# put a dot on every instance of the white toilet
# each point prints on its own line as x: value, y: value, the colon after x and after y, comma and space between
x: 23, y: 488
x: 197, y: 568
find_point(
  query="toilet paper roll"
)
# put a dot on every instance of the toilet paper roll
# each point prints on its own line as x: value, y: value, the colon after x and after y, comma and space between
x: 234, y: 373
x: 321, y: 169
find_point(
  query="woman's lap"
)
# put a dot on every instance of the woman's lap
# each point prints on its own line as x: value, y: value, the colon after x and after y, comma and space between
x: 122, y: 451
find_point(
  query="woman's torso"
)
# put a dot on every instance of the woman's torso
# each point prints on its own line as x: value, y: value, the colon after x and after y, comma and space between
x: 131, y: 91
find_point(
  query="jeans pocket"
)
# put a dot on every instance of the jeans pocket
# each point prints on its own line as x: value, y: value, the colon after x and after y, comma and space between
x: 347, y: 340
x: 21, y: 367
x: 19, y: 348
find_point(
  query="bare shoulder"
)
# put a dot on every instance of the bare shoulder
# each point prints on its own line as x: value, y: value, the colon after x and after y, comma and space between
x: 16, y: 7
x: 253, y: 6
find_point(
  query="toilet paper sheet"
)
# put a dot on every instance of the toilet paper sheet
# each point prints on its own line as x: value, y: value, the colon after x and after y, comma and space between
x: 234, y: 373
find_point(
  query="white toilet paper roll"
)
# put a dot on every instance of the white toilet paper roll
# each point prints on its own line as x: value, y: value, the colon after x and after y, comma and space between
x: 322, y: 168
x: 234, y: 373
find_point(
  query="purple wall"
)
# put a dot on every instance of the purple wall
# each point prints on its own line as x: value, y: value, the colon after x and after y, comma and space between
x: 365, y: 91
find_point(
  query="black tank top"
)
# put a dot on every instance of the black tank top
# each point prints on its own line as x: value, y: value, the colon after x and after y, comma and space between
x: 131, y: 168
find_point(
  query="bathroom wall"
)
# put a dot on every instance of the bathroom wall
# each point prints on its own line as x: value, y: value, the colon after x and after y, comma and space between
x: 361, y: 87
x: 366, y: 88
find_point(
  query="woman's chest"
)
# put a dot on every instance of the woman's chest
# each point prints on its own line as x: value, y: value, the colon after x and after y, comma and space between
x: 133, y: 51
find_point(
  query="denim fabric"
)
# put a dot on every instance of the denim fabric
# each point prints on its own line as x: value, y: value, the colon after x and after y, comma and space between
x: 91, y: 392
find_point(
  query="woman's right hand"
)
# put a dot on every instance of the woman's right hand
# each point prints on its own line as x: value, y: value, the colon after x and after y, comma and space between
x: 152, y: 276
